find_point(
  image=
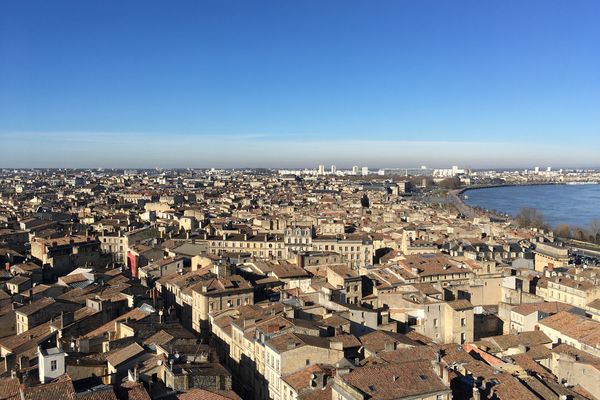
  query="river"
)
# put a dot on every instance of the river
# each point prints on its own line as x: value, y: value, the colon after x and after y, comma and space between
x: 561, y: 204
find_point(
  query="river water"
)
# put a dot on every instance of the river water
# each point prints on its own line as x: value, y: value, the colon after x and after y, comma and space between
x: 560, y: 204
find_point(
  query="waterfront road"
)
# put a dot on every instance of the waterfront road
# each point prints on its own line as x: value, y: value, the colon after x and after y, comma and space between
x: 454, y: 198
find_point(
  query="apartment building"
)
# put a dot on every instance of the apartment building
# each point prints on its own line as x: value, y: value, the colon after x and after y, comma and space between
x: 578, y: 293
x: 418, y: 380
x: 436, y: 268
x: 525, y: 317
x: 299, y: 239
x: 264, y: 246
x: 291, y: 352
x: 448, y: 322
x: 357, y: 251
x: 342, y: 276
x: 64, y: 254
x: 218, y: 294
x: 577, y: 331
x: 118, y: 244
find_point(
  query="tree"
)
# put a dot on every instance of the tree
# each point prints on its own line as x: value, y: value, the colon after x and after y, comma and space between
x: 563, y: 231
x: 580, y: 234
x: 450, y: 183
x: 595, y: 230
x: 531, y: 218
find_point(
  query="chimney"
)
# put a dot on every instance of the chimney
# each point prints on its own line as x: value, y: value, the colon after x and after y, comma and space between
x: 23, y: 362
x: 318, y: 380
x: 445, y: 375
x: 300, y: 260
x: 66, y: 318
x: 9, y: 362
x: 385, y: 318
x: 440, y: 371
x: 248, y: 322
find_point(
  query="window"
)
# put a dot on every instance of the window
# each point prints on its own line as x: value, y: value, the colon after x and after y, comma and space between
x: 53, y: 365
x: 435, y: 322
x: 307, y: 362
x: 463, y: 322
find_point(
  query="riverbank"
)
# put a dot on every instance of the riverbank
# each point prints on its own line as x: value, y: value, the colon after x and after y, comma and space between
x: 489, y: 186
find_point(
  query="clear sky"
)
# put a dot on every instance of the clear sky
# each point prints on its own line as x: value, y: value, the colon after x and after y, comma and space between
x: 289, y: 83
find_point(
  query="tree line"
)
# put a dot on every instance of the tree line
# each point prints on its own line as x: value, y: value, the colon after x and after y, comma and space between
x: 532, y: 218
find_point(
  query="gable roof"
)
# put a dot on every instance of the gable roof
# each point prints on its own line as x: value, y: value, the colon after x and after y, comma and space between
x: 125, y: 354
x: 580, y: 328
x: 389, y: 381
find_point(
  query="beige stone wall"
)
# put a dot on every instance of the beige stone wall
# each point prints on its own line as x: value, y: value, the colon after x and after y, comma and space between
x: 542, y: 261
x: 458, y: 325
x: 576, y: 373
x: 204, y: 303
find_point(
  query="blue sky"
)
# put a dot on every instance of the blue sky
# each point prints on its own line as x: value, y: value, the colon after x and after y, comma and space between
x: 296, y: 83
